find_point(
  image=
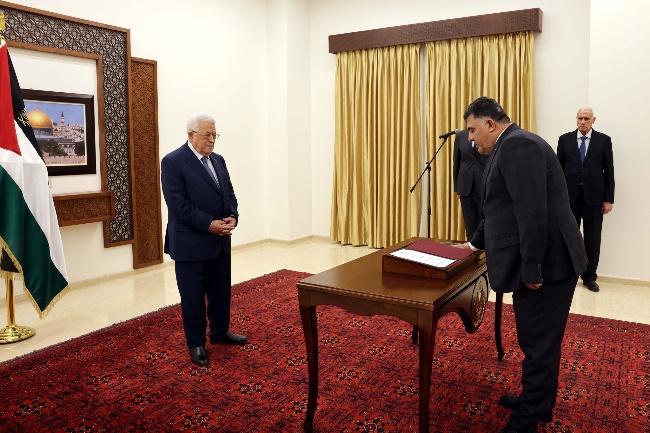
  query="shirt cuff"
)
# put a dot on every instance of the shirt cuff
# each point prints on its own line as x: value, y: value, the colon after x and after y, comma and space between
x: 473, y: 247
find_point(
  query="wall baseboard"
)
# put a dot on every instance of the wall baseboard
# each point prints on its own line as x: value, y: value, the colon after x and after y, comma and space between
x: 89, y: 282
x: 281, y: 241
x: 20, y: 297
x: 624, y: 281
x: 85, y: 283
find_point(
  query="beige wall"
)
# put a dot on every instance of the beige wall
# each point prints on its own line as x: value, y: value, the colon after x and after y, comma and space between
x: 619, y: 92
x: 262, y: 68
x: 288, y: 162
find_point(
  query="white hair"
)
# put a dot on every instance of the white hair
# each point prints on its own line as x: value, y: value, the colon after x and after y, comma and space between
x: 586, y: 109
x: 196, y: 119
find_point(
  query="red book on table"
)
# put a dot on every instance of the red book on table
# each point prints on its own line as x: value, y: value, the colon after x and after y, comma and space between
x: 460, y: 257
x: 440, y: 250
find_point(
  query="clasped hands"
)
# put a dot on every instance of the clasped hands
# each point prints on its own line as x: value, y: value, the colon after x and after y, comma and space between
x: 222, y: 227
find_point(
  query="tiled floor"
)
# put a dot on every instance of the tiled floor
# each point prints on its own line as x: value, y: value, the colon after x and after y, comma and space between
x: 88, y: 307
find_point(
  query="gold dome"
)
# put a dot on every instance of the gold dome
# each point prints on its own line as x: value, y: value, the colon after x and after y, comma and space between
x: 39, y: 120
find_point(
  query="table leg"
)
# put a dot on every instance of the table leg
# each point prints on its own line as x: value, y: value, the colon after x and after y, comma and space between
x: 427, y: 332
x: 497, y: 325
x: 310, y: 328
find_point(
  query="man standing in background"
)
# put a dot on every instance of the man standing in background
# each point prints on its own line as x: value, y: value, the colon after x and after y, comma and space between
x: 587, y: 160
x: 202, y: 213
x: 468, y: 178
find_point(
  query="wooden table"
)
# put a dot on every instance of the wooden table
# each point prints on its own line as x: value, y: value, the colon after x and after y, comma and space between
x: 361, y: 287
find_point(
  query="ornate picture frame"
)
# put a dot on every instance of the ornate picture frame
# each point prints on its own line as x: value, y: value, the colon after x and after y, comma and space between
x: 64, y: 125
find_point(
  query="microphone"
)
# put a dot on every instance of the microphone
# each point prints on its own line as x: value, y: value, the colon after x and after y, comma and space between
x: 450, y: 133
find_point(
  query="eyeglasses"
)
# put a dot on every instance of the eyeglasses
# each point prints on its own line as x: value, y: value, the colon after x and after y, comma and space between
x: 207, y: 135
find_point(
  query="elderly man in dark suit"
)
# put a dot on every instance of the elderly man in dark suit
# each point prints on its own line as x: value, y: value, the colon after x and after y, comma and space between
x: 588, y: 162
x: 468, y: 177
x: 202, y: 213
x: 533, y: 248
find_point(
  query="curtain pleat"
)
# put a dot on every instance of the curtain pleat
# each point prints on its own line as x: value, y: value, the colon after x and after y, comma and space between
x: 377, y: 146
x: 461, y: 70
x: 378, y: 157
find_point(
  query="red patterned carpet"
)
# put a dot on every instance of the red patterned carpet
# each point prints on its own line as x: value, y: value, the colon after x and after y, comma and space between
x: 136, y: 376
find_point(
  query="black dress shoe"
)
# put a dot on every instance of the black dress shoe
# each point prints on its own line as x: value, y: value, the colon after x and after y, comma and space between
x: 228, y: 338
x: 511, y: 402
x: 198, y: 356
x: 593, y: 286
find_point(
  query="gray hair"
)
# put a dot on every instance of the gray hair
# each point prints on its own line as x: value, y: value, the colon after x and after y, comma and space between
x: 196, y: 119
x: 586, y: 109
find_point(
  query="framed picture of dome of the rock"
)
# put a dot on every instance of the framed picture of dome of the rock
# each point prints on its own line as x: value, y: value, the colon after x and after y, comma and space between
x: 64, y: 126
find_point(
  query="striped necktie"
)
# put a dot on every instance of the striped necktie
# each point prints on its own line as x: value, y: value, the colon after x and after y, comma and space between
x: 205, y: 165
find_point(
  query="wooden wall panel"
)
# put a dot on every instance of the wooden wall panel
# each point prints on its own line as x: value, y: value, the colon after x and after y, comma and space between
x: 72, y: 209
x: 148, y: 245
x: 60, y: 33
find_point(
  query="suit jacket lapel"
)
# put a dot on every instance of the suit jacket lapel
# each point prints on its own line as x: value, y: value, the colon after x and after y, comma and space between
x: 486, y: 172
x: 576, y: 147
x: 198, y: 167
x: 488, y: 164
x: 593, y: 144
x: 217, y: 170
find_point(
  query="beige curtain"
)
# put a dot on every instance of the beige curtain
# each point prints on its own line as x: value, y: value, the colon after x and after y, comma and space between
x: 461, y: 70
x: 377, y: 146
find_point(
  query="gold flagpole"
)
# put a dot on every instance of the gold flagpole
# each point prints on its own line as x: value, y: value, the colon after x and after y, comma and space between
x: 12, y: 332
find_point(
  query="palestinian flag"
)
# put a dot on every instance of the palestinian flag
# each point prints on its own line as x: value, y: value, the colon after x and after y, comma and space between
x: 29, y: 230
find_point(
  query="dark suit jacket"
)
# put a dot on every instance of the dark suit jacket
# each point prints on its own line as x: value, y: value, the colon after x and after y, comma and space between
x: 528, y: 230
x: 193, y: 201
x: 468, y: 165
x: 597, y: 173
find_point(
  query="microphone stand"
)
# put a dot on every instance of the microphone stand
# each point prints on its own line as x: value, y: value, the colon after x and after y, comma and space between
x: 428, y: 168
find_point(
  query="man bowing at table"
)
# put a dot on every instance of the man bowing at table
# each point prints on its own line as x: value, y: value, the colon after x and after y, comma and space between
x: 533, y: 248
